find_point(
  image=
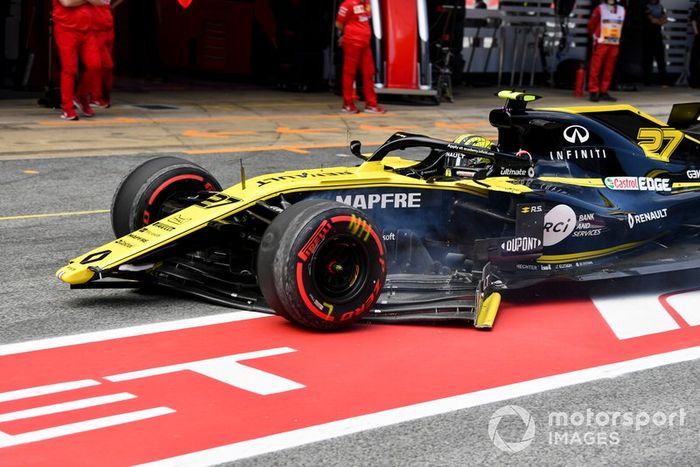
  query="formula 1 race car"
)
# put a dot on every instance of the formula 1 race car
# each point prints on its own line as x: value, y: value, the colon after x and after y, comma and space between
x: 578, y: 194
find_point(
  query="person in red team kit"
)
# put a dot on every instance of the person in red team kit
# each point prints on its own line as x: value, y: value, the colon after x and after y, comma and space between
x: 353, y: 22
x: 605, y: 25
x: 103, y: 29
x: 74, y: 39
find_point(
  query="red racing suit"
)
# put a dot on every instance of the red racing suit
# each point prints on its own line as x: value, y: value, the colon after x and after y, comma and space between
x: 605, y: 25
x: 74, y: 39
x: 354, y: 16
x: 103, y: 27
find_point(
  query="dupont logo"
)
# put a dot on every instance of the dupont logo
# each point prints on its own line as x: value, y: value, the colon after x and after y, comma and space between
x: 521, y: 244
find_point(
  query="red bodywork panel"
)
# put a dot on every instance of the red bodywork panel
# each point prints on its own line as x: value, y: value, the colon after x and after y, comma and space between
x: 400, y: 38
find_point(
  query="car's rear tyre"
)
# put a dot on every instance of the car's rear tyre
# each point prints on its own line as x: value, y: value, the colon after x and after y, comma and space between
x: 143, y: 194
x: 321, y: 264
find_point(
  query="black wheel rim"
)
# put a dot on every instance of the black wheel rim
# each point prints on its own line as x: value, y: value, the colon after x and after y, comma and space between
x: 340, y: 268
x: 173, y: 199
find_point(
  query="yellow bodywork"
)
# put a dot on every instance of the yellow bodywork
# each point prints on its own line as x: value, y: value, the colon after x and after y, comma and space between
x: 234, y: 199
x: 486, y: 314
x: 367, y: 175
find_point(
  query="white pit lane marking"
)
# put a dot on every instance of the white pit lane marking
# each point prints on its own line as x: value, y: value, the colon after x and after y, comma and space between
x: 80, y: 427
x: 98, y: 336
x: 687, y: 305
x: 349, y: 426
x: 322, y: 432
x: 635, y: 315
x: 65, y: 406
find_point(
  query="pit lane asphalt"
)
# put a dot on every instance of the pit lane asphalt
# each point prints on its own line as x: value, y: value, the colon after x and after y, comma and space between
x: 34, y: 304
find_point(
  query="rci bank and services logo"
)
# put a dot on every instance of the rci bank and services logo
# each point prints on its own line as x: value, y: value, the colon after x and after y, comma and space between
x: 528, y: 434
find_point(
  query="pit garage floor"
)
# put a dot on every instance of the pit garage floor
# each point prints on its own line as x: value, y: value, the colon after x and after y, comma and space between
x: 196, y: 120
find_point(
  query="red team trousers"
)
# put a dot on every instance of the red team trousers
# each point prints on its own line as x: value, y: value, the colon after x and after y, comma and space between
x: 105, y: 41
x: 603, y: 56
x: 354, y: 54
x: 73, y: 44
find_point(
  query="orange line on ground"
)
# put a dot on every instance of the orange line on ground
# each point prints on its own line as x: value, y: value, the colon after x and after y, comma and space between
x: 464, y: 126
x: 306, y: 131
x: 217, y: 134
x: 386, y: 128
x: 290, y: 148
x: 231, y: 118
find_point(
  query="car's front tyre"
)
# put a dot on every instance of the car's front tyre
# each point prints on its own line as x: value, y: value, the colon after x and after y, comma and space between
x: 321, y: 264
x: 156, y: 189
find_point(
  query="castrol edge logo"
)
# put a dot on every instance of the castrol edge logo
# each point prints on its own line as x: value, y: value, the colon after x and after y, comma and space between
x: 638, y: 183
x: 559, y: 222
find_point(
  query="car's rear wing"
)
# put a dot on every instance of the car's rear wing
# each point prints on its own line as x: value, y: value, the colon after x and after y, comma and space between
x: 684, y: 115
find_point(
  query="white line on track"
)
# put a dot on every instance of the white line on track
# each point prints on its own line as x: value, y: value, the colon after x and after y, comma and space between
x: 348, y: 426
x: 80, y: 427
x: 64, y: 341
x: 65, y: 406
x: 326, y: 431
x: 46, y: 389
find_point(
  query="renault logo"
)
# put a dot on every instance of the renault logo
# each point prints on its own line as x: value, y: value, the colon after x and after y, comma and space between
x: 576, y: 134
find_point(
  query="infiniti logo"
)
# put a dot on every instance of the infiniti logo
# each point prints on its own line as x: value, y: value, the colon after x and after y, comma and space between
x: 576, y: 134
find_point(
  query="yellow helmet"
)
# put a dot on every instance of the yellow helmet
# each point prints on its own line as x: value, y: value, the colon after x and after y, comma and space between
x: 473, y: 140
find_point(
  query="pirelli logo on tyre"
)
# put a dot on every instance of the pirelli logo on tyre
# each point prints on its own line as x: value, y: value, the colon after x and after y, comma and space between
x: 315, y: 239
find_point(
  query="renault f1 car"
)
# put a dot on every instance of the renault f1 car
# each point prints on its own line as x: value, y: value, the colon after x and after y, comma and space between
x: 567, y: 194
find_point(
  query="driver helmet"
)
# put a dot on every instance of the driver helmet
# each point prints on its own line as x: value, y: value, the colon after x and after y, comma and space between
x: 477, y: 141
x: 474, y: 140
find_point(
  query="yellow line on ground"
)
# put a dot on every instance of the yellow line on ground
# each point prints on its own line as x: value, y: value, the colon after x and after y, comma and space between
x: 295, y: 148
x: 53, y: 214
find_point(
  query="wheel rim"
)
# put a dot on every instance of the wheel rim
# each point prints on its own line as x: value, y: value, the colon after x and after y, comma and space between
x: 172, y: 199
x: 340, y: 268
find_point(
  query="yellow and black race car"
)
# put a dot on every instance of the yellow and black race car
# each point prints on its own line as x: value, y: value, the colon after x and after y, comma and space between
x: 584, y: 193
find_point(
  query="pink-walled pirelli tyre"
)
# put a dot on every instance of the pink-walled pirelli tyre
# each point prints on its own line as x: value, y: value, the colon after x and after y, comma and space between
x: 321, y: 264
x: 142, y: 196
